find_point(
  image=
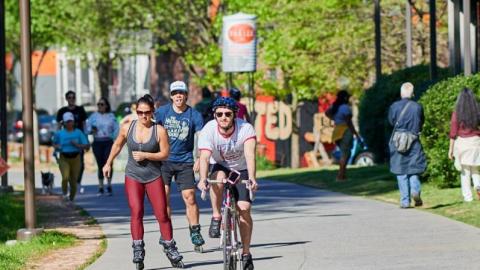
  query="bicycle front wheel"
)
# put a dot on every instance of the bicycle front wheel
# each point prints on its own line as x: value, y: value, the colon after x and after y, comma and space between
x: 227, y: 239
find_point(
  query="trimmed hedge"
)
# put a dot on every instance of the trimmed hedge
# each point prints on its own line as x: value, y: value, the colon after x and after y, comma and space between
x: 375, y: 101
x: 438, y: 104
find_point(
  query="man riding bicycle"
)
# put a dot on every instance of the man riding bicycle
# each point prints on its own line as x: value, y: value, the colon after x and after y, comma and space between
x: 231, y: 143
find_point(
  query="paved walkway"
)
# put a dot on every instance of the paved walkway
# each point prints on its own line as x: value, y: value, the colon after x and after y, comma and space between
x: 299, y: 228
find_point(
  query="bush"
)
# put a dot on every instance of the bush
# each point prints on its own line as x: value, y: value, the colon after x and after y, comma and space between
x: 438, y: 104
x: 375, y: 101
x: 263, y: 164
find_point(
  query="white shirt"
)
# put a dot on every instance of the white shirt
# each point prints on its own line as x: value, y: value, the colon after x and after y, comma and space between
x: 227, y: 150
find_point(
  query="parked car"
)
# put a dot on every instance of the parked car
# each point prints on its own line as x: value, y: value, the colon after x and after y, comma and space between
x: 47, y: 126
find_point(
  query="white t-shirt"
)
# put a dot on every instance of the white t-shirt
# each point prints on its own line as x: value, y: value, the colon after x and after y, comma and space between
x: 227, y: 151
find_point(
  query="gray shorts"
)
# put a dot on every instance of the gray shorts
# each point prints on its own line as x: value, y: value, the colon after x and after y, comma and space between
x: 183, y: 173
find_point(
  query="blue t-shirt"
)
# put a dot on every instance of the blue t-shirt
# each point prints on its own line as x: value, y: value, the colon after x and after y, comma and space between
x: 342, y: 114
x: 64, y: 138
x: 181, y: 129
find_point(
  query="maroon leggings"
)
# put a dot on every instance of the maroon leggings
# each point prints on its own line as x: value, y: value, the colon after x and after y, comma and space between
x: 135, y: 192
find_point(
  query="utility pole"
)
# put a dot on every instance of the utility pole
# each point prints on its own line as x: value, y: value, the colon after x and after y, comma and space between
x: 467, y: 53
x: 28, y: 149
x: 408, y: 37
x: 433, y: 41
x: 378, y: 38
x: 3, y: 99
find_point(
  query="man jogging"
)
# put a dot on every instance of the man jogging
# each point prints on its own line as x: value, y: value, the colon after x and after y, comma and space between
x: 182, y: 122
x: 231, y: 143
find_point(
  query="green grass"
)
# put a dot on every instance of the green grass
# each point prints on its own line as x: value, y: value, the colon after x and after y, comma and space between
x: 379, y: 184
x: 11, y: 219
x: 100, y: 251
x: 15, y: 257
x: 12, y: 216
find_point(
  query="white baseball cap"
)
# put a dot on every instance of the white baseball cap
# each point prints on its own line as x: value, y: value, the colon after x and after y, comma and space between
x: 68, y: 116
x: 178, y: 86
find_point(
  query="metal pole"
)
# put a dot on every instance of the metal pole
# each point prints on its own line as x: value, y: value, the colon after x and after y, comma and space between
x: 378, y: 46
x: 408, y: 38
x: 28, y: 149
x: 3, y: 97
x: 251, y: 86
x: 433, y: 41
x: 467, y: 61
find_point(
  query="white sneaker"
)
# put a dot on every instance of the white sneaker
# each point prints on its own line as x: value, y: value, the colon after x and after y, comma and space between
x: 82, y: 190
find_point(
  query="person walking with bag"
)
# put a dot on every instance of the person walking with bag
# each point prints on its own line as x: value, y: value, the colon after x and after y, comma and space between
x: 465, y: 142
x: 407, y: 159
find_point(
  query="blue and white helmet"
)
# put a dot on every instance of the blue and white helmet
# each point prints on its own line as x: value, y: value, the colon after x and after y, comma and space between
x: 225, y: 102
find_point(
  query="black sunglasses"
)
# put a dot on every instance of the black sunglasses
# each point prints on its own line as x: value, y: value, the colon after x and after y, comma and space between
x: 144, y: 112
x: 220, y: 114
x: 100, y: 104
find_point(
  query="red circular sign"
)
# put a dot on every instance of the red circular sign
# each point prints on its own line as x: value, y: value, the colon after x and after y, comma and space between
x: 241, y: 33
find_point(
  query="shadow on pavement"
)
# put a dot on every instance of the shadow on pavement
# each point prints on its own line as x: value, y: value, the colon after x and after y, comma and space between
x: 279, y: 244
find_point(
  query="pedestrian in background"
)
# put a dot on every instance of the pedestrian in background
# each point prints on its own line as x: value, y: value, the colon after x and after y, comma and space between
x: 242, y: 109
x: 80, y: 116
x: 104, y: 128
x: 205, y: 105
x: 341, y: 114
x: 131, y: 116
x: 465, y: 142
x: 69, y: 142
x: 407, y: 159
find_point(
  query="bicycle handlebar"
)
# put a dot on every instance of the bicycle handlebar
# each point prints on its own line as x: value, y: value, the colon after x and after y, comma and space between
x: 224, y: 181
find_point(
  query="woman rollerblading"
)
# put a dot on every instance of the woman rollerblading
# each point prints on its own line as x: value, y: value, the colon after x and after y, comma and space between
x: 138, y: 254
x: 170, y: 249
x: 147, y: 145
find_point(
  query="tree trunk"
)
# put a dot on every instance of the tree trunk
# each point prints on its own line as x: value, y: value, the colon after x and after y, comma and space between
x: 103, y: 72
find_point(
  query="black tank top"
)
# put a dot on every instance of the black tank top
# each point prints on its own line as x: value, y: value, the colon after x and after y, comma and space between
x: 146, y: 170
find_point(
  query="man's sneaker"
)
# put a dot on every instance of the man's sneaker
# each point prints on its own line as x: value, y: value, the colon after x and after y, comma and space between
x: 214, y: 230
x: 247, y: 262
x: 82, y: 189
x: 418, y: 201
x: 100, y: 192
x: 109, y: 191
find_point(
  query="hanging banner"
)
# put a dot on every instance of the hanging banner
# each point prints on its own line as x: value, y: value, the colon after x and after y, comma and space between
x: 239, y: 43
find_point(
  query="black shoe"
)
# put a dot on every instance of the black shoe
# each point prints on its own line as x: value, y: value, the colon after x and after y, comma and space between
x: 247, y: 262
x: 214, y: 230
x: 109, y: 191
x: 418, y: 201
x: 100, y: 192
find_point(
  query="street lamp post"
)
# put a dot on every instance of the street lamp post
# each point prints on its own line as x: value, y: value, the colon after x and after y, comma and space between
x: 433, y: 40
x: 467, y: 59
x: 28, y: 150
x: 408, y: 37
x: 3, y: 99
x: 378, y: 38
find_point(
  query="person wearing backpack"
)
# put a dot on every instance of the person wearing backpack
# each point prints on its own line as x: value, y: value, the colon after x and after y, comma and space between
x: 407, y: 159
x: 465, y: 142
